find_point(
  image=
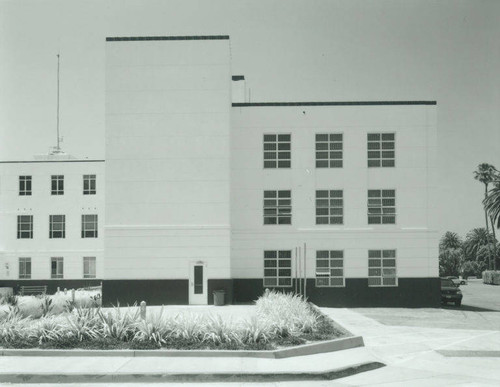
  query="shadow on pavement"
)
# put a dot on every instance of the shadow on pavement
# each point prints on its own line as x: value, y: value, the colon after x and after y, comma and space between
x: 468, y: 308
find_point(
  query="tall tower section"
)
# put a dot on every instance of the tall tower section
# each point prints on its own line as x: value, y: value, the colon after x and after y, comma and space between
x: 167, y: 232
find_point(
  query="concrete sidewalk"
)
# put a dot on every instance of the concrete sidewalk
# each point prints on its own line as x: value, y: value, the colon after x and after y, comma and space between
x: 325, y: 366
x: 423, y: 356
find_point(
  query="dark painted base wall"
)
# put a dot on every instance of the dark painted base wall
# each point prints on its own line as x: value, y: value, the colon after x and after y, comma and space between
x: 52, y: 284
x: 154, y: 292
x: 159, y: 292
x: 411, y: 292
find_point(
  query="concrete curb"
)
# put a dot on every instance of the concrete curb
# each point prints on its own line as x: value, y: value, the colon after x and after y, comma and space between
x: 300, y: 350
x: 185, y: 377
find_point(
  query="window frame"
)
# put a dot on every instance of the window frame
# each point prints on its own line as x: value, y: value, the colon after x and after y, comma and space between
x: 383, y: 212
x: 25, y: 185
x: 86, y: 229
x: 23, y: 263
x: 53, y: 233
x: 89, y: 261
x: 330, y: 258
x: 59, y: 267
x: 382, y: 276
x: 277, y: 259
x: 91, y: 181
x: 278, y: 148
x: 20, y: 231
x: 282, y: 212
x: 331, y: 150
x: 331, y: 209
x: 381, y: 145
x: 58, y: 181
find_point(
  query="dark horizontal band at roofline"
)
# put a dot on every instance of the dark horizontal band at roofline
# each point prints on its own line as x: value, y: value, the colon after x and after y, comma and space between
x: 137, y: 38
x: 53, y: 161
x: 340, y: 103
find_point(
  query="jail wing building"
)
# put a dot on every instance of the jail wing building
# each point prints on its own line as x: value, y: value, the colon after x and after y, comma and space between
x: 203, y: 190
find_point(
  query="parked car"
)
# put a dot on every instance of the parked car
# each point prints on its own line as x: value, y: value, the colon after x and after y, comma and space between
x: 457, y: 281
x: 450, y: 292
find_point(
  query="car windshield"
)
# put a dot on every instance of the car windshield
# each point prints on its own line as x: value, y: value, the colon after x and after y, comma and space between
x: 446, y: 282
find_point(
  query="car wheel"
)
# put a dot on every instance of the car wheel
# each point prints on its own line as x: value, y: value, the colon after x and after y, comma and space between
x: 458, y: 303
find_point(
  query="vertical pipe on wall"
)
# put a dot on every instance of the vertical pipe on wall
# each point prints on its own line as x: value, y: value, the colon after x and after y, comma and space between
x: 300, y: 271
x: 305, y: 273
x: 296, y: 265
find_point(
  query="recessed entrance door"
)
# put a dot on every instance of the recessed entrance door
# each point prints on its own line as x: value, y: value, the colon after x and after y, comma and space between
x: 197, y: 284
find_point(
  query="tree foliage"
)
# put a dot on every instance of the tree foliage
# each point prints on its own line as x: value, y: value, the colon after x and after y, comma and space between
x: 450, y: 240
x: 485, y: 173
x: 474, y: 239
x: 492, y: 204
x: 450, y: 262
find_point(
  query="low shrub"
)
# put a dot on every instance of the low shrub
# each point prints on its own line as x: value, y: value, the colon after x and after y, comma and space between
x: 491, y: 277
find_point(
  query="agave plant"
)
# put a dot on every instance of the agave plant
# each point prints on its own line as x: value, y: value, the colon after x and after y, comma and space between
x: 219, y: 331
x: 187, y: 326
x: 46, y: 306
x: 119, y: 325
x: 84, y: 324
x: 154, y: 329
x: 15, y: 326
x: 49, y: 329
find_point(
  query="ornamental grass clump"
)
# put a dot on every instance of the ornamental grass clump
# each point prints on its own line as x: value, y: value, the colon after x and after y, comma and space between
x: 256, y: 331
x: 287, y: 314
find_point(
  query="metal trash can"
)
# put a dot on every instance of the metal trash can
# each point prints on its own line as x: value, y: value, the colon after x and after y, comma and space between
x: 219, y: 297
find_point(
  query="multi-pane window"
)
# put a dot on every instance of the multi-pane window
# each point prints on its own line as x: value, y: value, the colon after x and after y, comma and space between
x: 89, y: 267
x: 278, y: 207
x: 277, y: 150
x: 57, y: 185
x: 89, y: 226
x: 278, y: 268
x: 381, y: 148
x: 382, y: 268
x: 329, y: 268
x: 381, y: 206
x: 25, y: 227
x: 89, y: 185
x: 329, y: 150
x: 57, y: 226
x: 329, y: 207
x: 24, y: 185
x: 24, y: 268
x: 56, y: 267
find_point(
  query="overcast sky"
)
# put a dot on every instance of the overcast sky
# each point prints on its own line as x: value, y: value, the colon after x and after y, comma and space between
x: 306, y: 50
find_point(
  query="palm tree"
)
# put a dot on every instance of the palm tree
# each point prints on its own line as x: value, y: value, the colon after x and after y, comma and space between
x: 451, y: 255
x: 486, y: 174
x: 450, y: 240
x: 492, y: 204
x: 475, y: 239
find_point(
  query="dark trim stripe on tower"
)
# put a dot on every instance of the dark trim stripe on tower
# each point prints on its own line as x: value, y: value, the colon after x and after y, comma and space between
x: 141, y: 38
x: 52, y: 161
x: 340, y: 103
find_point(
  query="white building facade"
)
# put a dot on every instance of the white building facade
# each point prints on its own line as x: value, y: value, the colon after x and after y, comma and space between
x: 52, y: 211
